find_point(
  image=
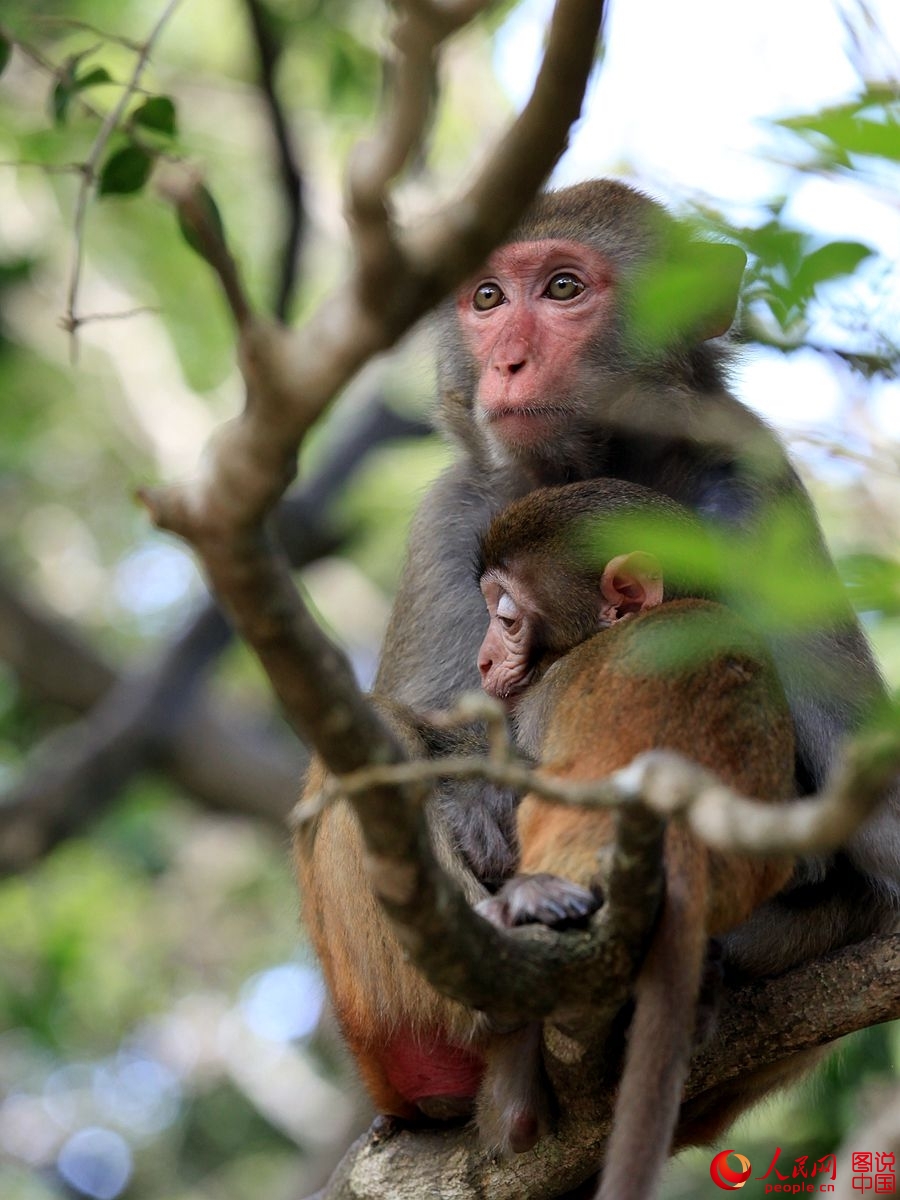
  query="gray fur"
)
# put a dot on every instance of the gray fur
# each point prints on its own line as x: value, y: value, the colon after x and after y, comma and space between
x: 666, y: 420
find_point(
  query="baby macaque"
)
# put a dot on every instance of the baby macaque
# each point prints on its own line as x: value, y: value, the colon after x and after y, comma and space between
x: 599, y: 654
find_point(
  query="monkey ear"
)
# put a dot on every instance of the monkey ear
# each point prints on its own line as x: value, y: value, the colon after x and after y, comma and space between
x: 629, y: 584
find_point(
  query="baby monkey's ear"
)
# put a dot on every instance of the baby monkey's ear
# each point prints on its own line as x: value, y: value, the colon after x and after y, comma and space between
x: 629, y: 584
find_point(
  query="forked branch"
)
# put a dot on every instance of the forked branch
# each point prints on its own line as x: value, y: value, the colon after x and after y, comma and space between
x: 291, y: 377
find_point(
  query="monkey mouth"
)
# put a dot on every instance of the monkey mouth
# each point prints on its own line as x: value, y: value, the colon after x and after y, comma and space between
x: 509, y: 696
x: 524, y: 422
x: 526, y: 412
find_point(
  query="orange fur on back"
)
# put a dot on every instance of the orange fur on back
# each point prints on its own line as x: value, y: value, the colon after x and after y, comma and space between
x: 618, y: 697
x: 686, y: 676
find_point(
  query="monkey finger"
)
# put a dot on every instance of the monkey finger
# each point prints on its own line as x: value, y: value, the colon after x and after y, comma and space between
x: 539, y: 899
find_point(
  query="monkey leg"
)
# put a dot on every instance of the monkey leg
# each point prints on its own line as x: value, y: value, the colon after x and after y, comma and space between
x: 419, y: 1053
x: 515, y: 1105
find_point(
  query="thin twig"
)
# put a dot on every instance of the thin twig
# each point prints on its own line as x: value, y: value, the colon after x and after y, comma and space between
x: 125, y: 314
x: 269, y: 51
x: 292, y: 379
x: 473, y: 707
x: 182, y: 187
x: 74, y: 168
x: 89, y: 167
x: 668, y: 785
x: 87, y: 27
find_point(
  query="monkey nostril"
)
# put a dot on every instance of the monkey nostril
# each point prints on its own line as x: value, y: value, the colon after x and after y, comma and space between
x: 516, y: 366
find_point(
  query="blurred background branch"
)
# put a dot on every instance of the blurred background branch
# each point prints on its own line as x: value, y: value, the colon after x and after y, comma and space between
x: 155, y: 717
x: 269, y: 51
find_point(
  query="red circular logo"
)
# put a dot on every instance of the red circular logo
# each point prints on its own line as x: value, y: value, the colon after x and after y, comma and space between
x: 725, y: 1176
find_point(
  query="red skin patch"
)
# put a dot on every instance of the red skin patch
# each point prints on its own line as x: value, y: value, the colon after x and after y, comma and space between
x: 430, y: 1068
x: 530, y: 346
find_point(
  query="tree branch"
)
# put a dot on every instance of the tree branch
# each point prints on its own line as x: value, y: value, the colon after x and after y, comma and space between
x: 268, y: 51
x: 545, y: 972
x: 760, y: 1024
x: 290, y: 378
x: 211, y: 753
x: 668, y: 785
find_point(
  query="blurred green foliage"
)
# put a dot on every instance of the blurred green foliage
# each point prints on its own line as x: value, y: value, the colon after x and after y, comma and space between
x: 868, y: 126
x: 126, y: 955
x: 692, y: 292
x: 789, y: 267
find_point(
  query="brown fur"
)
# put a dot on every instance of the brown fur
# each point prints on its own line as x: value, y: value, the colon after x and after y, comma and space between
x: 603, y: 706
x: 685, y: 675
x: 376, y: 993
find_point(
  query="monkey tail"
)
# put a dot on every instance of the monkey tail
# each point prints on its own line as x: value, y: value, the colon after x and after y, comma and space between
x: 661, y: 1035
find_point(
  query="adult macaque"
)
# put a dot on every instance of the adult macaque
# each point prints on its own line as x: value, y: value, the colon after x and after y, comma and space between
x: 547, y: 377
x: 549, y: 373
x: 597, y: 663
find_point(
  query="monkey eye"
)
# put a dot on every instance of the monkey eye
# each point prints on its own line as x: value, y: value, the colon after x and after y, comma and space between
x: 564, y: 287
x: 507, y: 611
x: 487, y: 295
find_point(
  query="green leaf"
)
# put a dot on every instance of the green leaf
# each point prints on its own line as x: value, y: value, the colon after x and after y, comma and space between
x: 788, y: 267
x: 5, y: 52
x: 213, y: 216
x: 852, y: 133
x: 62, y: 96
x: 690, y: 555
x: 64, y: 88
x: 775, y: 246
x: 690, y: 292
x: 780, y: 586
x: 68, y: 84
x: 874, y: 582
x: 158, y: 114
x: 831, y: 262
x: 91, y: 78
x: 125, y: 171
